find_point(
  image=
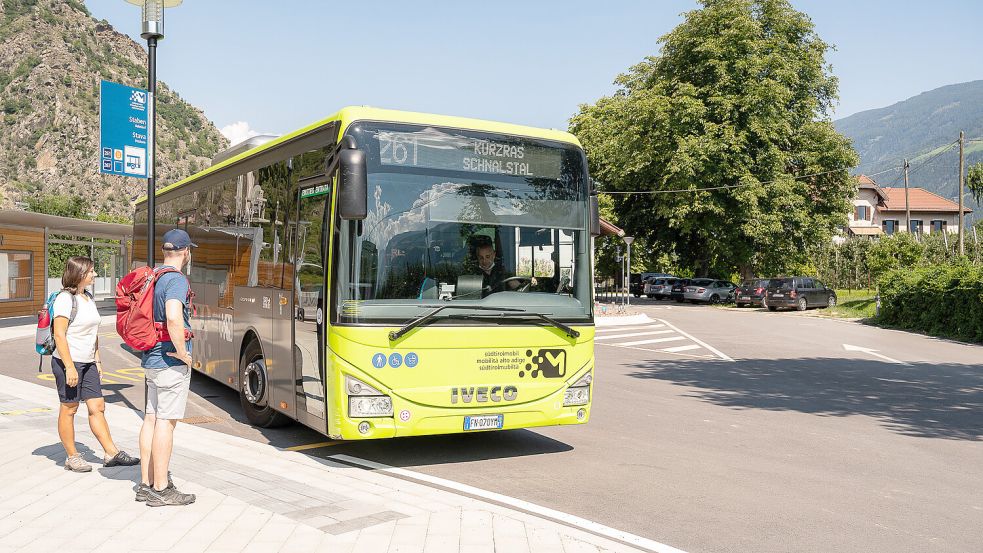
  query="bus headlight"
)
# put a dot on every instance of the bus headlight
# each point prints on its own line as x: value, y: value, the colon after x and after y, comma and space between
x: 579, y: 392
x: 370, y: 406
x: 366, y: 401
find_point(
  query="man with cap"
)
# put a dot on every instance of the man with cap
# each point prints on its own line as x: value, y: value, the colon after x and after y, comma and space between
x: 167, y: 367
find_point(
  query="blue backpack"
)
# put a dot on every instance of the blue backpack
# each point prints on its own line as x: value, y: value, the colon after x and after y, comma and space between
x: 44, y: 337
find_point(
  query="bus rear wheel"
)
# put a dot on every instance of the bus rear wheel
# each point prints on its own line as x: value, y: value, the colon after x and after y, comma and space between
x: 254, y: 389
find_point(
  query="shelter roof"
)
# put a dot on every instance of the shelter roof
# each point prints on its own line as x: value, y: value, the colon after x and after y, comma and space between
x: 64, y: 225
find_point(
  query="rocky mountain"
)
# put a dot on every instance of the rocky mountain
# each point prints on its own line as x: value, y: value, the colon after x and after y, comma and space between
x: 53, y: 55
x: 920, y: 128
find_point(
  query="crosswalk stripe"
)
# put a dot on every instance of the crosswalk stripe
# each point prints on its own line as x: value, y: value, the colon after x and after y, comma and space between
x: 681, y: 348
x: 624, y: 328
x: 608, y: 337
x: 655, y: 341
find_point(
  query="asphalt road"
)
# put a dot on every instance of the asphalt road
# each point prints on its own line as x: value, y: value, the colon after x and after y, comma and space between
x: 756, y: 431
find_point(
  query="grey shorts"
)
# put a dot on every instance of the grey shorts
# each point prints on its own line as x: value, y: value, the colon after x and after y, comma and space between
x: 88, y: 387
x: 167, y: 391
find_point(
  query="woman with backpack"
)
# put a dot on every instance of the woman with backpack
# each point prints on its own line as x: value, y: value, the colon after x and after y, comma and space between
x: 76, y: 366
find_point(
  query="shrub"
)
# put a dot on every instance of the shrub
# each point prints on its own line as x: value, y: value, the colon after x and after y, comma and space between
x: 942, y: 300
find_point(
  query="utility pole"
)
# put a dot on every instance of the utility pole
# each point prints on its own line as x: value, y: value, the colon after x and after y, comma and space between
x: 962, y: 245
x: 907, y: 206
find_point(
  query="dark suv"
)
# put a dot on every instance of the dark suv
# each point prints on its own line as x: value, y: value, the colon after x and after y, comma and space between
x: 752, y: 292
x: 679, y: 288
x: 798, y: 293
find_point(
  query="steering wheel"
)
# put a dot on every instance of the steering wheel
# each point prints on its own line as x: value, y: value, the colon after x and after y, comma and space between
x: 523, y: 288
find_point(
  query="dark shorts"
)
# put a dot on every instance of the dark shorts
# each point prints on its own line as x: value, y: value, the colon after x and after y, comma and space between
x: 89, y: 386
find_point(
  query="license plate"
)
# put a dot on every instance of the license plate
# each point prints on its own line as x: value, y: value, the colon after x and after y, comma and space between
x: 745, y: 297
x: 778, y: 295
x: 484, y: 422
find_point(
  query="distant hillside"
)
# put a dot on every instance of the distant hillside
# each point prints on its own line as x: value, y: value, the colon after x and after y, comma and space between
x: 918, y: 128
x: 52, y: 56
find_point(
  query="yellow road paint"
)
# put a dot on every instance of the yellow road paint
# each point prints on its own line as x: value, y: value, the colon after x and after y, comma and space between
x: 312, y: 446
x: 108, y: 377
x: 25, y: 411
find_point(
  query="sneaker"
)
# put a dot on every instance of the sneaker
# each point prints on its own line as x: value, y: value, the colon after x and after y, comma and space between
x: 75, y: 463
x: 142, y: 489
x: 122, y: 459
x: 168, y: 496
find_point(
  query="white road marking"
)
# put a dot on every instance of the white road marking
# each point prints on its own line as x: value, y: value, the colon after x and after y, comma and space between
x: 609, y: 336
x: 538, y: 510
x: 624, y: 328
x: 656, y: 341
x: 698, y: 341
x: 873, y: 352
x: 681, y: 348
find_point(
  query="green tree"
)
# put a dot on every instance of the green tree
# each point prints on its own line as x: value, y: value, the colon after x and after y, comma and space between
x: 65, y: 206
x: 974, y: 181
x: 739, y: 99
x: 897, y: 251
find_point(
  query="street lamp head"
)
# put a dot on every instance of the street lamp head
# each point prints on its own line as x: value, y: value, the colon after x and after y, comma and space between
x: 153, y: 16
x: 628, y: 239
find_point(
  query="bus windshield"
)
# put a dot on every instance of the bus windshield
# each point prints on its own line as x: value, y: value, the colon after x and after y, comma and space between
x: 473, y: 218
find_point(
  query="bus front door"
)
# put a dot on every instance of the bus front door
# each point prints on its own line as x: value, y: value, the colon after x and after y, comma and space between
x: 309, y: 315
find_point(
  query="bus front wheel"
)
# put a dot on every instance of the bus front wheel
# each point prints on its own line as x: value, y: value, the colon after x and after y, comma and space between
x: 254, y: 389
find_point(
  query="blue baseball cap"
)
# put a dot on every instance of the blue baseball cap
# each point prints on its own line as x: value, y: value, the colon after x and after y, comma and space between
x: 177, y: 239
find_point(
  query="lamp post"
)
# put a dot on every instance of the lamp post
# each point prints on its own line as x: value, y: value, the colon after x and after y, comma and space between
x: 628, y: 240
x: 152, y: 31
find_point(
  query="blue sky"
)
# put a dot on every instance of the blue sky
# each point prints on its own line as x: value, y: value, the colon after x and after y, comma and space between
x: 276, y: 66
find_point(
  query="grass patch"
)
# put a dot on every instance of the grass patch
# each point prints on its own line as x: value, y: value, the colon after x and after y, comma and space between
x: 853, y: 304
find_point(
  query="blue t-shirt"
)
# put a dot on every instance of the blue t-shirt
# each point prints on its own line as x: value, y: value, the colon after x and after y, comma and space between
x: 171, y: 286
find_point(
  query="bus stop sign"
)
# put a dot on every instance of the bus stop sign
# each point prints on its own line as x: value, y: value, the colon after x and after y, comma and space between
x: 123, y: 115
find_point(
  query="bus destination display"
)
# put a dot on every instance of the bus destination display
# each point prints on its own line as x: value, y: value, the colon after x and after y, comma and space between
x: 433, y: 149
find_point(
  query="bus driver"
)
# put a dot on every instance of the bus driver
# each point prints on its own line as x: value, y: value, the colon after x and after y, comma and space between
x: 494, y: 277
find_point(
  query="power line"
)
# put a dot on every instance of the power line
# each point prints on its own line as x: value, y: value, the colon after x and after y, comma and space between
x: 730, y: 186
x: 763, y: 183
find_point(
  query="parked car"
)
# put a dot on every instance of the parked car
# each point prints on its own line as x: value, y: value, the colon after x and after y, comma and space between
x: 752, y: 292
x: 799, y: 293
x: 637, y: 282
x: 678, y: 289
x: 659, y: 288
x: 707, y: 290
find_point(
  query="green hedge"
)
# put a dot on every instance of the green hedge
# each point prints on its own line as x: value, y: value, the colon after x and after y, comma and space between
x: 942, y: 300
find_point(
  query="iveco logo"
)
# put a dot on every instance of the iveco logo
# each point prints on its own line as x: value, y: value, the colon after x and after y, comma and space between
x: 484, y: 394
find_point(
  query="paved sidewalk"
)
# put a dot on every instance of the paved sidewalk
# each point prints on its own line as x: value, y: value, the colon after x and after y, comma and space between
x: 251, y: 497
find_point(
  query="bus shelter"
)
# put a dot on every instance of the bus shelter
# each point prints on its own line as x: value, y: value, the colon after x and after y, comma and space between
x: 35, y: 246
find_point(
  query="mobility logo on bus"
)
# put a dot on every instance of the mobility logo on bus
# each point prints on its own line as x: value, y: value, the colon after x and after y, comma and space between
x: 551, y: 363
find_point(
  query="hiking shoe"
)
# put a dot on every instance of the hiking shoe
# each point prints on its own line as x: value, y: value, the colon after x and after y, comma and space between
x: 168, y: 496
x: 141, y: 494
x: 142, y: 489
x: 122, y: 459
x: 75, y: 463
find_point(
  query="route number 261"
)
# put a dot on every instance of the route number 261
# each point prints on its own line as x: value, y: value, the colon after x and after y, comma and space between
x: 396, y: 149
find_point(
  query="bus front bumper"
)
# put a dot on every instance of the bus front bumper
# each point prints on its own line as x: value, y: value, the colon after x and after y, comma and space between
x: 410, y: 419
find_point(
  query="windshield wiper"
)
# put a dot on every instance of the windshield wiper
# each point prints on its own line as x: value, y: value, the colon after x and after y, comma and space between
x: 520, y: 313
x: 396, y: 334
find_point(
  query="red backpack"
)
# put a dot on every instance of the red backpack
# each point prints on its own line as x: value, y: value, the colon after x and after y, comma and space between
x: 135, y: 308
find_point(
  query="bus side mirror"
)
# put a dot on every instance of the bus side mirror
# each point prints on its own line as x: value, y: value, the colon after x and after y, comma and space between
x: 353, y: 185
x: 595, y: 217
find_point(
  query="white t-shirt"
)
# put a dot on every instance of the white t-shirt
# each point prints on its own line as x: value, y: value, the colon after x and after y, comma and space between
x: 83, y: 331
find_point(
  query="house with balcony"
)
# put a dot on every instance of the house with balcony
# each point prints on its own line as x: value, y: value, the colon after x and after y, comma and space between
x: 880, y: 210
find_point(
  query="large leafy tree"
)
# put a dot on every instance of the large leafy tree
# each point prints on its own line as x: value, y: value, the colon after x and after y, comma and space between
x: 738, y: 100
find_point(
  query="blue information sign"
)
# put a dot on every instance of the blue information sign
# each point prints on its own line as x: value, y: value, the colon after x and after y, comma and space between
x: 123, y: 115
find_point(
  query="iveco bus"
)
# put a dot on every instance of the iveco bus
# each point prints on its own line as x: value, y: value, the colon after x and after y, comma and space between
x: 338, y: 283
